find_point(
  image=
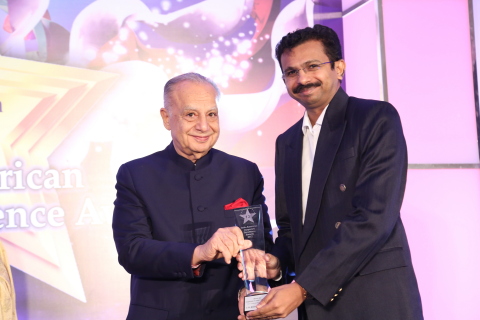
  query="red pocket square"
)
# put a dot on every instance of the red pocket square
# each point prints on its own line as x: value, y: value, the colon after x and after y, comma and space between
x: 239, y: 203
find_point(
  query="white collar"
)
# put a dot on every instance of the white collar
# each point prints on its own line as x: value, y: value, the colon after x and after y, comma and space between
x: 307, y: 125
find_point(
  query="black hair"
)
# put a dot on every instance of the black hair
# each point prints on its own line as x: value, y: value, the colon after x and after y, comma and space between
x: 324, y: 34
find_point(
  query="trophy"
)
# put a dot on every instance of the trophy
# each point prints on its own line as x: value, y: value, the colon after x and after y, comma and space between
x: 250, y: 221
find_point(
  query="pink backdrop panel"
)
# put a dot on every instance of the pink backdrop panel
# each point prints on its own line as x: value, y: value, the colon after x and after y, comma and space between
x: 361, y: 53
x: 429, y: 72
x: 441, y: 217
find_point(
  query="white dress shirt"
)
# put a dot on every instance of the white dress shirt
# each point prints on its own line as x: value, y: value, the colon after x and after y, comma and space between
x: 310, y: 138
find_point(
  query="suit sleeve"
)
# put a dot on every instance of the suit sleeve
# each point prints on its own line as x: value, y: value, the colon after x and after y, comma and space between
x: 376, y: 203
x: 138, y: 252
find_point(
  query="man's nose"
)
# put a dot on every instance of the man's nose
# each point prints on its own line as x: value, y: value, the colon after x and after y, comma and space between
x: 202, y: 123
x: 303, y: 76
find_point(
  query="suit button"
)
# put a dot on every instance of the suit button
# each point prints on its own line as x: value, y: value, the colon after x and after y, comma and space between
x: 198, y: 177
x: 201, y: 208
x: 340, y: 290
x: 337, y: 225
x: 335, y: 295
x: 343, y: 187
x: 331, y: 300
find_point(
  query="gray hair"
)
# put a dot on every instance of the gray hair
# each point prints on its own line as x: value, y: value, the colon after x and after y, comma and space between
x: 192, y: 77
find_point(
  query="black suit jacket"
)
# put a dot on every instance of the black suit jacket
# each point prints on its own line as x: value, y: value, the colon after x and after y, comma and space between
x: 165, y: 207
x: 351, y: 254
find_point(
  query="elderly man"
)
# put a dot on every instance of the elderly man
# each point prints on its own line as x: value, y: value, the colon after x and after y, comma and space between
x: 340, y: 179
x: 170, y: 227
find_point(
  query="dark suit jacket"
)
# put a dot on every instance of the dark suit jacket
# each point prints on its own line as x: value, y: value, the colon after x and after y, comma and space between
x: 165, y: 207
x: 351, y: 254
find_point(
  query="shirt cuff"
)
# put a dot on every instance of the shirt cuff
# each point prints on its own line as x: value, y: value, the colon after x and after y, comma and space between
x: 279, y: 277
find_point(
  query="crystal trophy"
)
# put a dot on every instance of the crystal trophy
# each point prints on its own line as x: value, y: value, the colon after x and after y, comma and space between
x: 250, y: 221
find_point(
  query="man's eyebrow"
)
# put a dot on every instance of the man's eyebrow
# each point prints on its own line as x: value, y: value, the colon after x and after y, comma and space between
x: 303, y: 64
x: 188, y: 108
x: 306, y: 63
x: 310, y: 61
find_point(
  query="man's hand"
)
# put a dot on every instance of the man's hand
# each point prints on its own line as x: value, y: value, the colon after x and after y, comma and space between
x: 241, y: 303
x: 226, y: 243
x: 257, y: 261
x: 279, y: 302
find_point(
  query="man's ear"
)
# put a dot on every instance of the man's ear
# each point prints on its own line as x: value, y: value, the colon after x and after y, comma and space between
x: 340, y: 68
x: 166, y: 118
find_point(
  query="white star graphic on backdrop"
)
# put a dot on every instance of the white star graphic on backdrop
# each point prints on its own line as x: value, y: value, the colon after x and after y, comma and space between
x: 248, y: 216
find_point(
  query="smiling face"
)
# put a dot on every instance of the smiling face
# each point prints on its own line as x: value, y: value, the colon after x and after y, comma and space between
x: 314, y: 90
x: 192, y: 117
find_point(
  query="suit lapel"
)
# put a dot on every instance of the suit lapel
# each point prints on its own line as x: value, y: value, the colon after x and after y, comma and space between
x: 293, y: 178
x: 331, y: 135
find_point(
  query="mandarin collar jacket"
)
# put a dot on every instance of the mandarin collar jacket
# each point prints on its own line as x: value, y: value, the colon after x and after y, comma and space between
x: 165, y: 207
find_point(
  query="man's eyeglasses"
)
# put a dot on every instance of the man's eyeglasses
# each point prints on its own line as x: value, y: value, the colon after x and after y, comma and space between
x: 294, y: 73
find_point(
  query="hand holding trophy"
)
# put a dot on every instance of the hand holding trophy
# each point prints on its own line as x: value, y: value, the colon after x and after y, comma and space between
x: 253, y: 263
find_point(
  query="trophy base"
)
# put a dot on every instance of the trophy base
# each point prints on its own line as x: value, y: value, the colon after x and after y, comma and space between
x: 252, y: 300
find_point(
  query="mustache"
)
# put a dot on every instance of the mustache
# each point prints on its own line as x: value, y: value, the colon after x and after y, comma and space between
x: 300, y: 87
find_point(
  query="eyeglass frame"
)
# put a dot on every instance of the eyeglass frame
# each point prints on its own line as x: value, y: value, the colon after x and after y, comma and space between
x: 297, y: 71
